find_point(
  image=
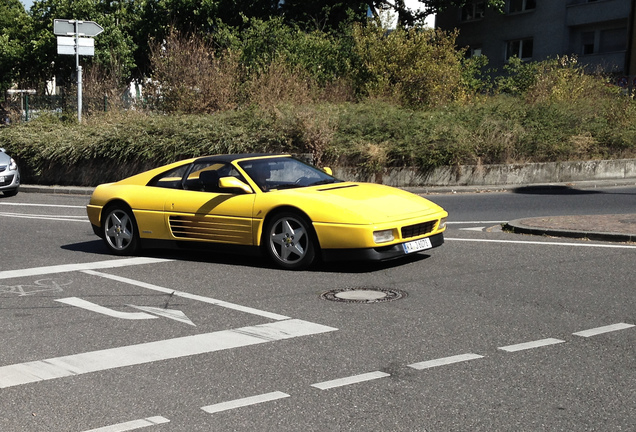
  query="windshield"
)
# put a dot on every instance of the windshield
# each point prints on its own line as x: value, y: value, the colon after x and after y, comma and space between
x: 284, y: 173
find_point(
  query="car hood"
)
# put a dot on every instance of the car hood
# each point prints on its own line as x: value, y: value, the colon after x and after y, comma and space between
x: 365, y: 203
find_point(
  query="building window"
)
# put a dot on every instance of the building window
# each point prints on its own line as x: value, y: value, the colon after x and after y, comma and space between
x: 516, y: 6
x: 588, y: 42
x: 603, y: 41
x: 612, y: 40
x: 521, y: 48
x: 473, y: 10
x: 473, y: 51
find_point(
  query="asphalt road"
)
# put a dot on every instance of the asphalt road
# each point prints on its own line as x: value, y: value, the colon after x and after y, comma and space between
x: 495, y: 332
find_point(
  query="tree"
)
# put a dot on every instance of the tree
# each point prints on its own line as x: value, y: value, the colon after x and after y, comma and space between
x: 14, y: 22
x: 409, y: 17
x: 114, y: 45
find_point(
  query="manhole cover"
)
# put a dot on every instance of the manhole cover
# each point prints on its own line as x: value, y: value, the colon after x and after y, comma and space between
x: 363, y: 295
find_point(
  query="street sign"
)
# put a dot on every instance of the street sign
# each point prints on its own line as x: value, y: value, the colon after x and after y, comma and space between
x: 66, y: 46
x: 64, y: 27
x: 69, y: 42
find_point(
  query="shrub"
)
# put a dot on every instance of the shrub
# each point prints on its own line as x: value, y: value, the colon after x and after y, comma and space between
x: 417, y: 67
x: 187, y: 77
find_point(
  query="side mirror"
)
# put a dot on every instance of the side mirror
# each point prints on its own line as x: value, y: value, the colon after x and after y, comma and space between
x: 234, y: 183
x: 328, y: 170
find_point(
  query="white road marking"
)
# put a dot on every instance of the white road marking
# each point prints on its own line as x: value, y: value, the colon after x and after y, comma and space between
x: 173, y: 314
x: 604, y: 329
x: 63, y: 268
x: 46, y: 217
x: 530, y: 345
x: 239, y: 403
x: 472, y: 229
x: 444, y: 361
x: 611, y: 246
x: 84, y: 304
x: 209, y: 300
x: 40, y: 205
x: 473, y: 222
x: 95, y: 361
x: 340, y: 382
x: 132, y: 425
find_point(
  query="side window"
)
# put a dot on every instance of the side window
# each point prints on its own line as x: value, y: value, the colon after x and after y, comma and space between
x: 170, y: 179
x: 204, y: 176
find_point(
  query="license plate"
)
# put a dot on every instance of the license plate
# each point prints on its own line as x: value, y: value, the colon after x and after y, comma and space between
x: 1, y: 179
x: 417, y: 245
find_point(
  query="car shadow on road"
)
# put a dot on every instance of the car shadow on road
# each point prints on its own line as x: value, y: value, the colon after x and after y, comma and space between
x: 97, y: 247
x: 368, y: 266
x: 553, y: 190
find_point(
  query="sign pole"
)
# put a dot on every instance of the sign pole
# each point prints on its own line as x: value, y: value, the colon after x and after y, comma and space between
x: 79, y: 73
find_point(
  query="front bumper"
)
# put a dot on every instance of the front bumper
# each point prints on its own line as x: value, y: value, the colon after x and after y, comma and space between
x: 9, y: 180
x: 377, y: 253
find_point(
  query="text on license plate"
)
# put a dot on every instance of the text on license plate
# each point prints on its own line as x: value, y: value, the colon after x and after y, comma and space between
x: 417, y: 245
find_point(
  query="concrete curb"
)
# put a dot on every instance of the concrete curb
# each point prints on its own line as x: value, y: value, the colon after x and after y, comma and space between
x: 518, y: 227
x: 61, y: 190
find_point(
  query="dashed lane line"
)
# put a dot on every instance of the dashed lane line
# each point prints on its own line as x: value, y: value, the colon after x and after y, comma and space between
x: 604, y: 329
x: 531, y: 345
x: 239, y: 403
x: 445, y: 361
x: 340, y: 382
x: 276, y: 395
x: 132, y: 425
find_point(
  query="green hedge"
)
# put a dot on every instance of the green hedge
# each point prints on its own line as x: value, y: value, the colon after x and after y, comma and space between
x: 369, y: 136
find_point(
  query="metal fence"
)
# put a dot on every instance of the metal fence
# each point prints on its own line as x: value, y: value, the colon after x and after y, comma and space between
x: 25, y: 106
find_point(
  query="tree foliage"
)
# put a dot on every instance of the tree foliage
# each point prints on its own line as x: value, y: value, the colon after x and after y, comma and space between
x: 28, y: 46
x: 14, y: 25
x: 416, y: 67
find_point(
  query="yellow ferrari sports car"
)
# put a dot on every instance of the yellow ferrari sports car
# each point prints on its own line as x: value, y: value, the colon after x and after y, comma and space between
x: 293, y: 212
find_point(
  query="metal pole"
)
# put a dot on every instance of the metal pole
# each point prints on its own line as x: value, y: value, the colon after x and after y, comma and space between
x: 79, y: 73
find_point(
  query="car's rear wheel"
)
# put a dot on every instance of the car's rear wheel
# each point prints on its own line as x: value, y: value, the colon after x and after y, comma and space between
x: 289, y: 241
x: 119, y: 230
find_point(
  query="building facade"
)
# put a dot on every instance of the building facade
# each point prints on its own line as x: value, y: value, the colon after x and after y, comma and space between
x: 598, y: 32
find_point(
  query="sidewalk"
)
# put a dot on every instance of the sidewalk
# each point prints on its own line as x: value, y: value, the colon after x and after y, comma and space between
x: 615, y: 228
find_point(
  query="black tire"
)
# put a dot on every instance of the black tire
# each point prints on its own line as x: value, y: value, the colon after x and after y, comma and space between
x: 289, y: 241
x: 119, y: 230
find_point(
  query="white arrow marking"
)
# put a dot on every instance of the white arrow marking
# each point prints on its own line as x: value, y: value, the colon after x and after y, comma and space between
x: 78, y: 302
x: 176, y: 315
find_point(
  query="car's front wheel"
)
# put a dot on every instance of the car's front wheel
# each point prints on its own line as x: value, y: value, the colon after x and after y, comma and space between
x: 289, y: 241
x: 119, y: 230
